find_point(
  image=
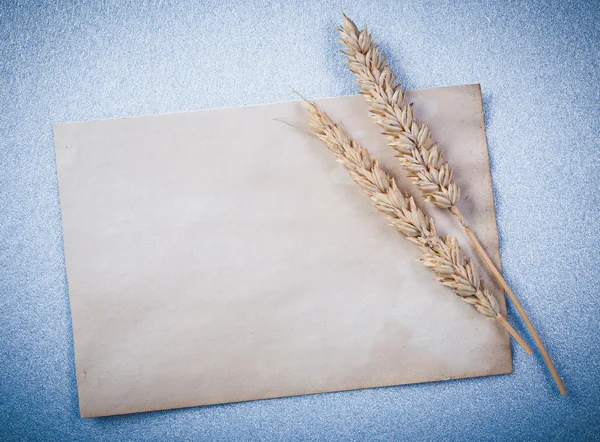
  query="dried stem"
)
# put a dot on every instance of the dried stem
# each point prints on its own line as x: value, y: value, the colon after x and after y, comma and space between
x: 414, y: 146
x: 443, y: 257
x: 488, y: 261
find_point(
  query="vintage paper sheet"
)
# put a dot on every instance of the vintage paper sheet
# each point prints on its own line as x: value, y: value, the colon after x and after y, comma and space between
x: 222, y: 255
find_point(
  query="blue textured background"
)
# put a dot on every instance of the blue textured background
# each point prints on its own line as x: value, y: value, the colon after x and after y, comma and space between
x: 538, y: 64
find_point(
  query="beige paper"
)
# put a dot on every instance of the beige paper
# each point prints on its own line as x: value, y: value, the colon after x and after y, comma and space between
x: 221, y: 256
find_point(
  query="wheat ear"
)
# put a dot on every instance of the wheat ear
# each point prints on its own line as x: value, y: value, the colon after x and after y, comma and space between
x: 443, y: 257
x: 414, y: 147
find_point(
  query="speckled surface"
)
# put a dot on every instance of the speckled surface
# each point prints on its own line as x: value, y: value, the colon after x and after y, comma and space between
x: 538, y: 64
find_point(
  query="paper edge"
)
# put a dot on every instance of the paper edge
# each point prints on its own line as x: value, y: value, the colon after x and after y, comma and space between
x: 64, y: 123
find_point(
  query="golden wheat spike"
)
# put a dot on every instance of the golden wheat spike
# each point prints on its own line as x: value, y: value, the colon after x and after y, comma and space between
x: 415, y: 148
x: 443, y: 257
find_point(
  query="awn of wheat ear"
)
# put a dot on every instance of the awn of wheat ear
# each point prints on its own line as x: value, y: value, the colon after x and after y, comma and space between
x: 443, y: 257
x: 415, y: 148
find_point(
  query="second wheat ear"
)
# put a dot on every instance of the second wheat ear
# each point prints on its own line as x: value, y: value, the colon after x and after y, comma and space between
x: 443, y: 257
x: 414, y: 147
